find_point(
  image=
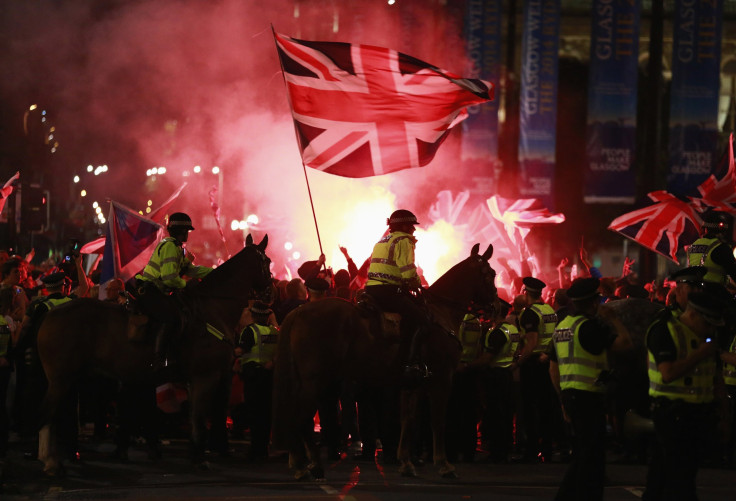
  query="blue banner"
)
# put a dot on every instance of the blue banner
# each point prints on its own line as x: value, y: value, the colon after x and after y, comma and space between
x: 483, y: 48
x: 612, y: 92
x: 538, y: 114
x: 696, y: 62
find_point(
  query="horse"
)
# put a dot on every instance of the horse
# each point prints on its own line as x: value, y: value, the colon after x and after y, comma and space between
x: 331, y: 339
x: 88, y: 336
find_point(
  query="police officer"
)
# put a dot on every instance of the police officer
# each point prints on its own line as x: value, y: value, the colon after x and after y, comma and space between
x: 500, y: 353
x: 161, y: 277
x: 537, y: 323
x: 686, y: 280
x: 578, y: 369
x: 683, y: 385
x: 714, y: 248
x: 392, y: 275
x: 256, y: 348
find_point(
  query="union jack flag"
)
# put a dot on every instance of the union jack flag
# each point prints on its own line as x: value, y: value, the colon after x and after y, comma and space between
x: 720, y: 193
x: 362, y: 111
x: 519, y: 216
x: 7, y: 189
x: 664, y: 227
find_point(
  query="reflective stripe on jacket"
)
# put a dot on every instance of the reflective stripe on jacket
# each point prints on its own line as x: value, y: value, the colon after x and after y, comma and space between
x: 264, y: 348
x: 506, y: 357
x: 546, y: 326
x: 694, y: 387
x: 729, y: 370
x: 4, y: 337
x: 579, y: 369
x: 700, y: 254
x: 470, y: 337
x: 392, y: 261
x: 167, y: 265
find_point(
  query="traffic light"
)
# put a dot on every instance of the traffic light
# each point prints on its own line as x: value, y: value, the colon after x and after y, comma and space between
x: 34, y: 208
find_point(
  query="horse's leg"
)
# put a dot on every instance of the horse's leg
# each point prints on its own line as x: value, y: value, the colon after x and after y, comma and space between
x: 408, y: 419
x: 304, y: 454
x: 48, y: 451
x: 439, y: 395
x: 200, y: 400
x: 218, y: 420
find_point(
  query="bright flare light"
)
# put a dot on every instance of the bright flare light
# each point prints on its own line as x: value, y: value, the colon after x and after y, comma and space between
x: 288, y: 246
x: 252, y: 219
x: 90, y: 168
x: 215, y: 170
x: 234, y: 224
x: 242, y: 225
x: 296, y: 255
x: 197, y: 169
x: 76, y: 179
x: 83, y: 193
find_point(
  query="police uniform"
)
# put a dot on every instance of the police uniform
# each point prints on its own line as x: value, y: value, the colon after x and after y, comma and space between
x: 682, y: 409
x: 541, y: 415
x: 258, y: 342
x: 498, y: 419
x: 711, y: 250
x: 580, y: 344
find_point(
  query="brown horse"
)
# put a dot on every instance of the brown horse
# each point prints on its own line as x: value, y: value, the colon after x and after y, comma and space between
x: 90, y: 336
x: 331, y: 339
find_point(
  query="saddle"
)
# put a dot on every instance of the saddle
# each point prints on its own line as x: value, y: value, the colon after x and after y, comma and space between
x: 384, y: 324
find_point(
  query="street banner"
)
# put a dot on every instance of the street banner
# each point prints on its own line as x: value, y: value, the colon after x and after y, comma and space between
x: 696, y: 62
x: 483, y: 49
x: 612, y: 99
x: 538, y: 114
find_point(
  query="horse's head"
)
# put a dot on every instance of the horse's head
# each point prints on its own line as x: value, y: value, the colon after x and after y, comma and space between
x: 484, y: 285
x: 247, y: 273
x: 470, y: 281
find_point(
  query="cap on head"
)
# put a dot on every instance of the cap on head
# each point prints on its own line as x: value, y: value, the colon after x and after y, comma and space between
x: 317, y: 284
x: 533, y: 284
x: 691, y: 275
x: 180, y: 221
x: 583, y: 288
x: 402, y: 216
x: 260, y: 308
x: 717, y: 222
x: 54, y: 280
x: 709, y: 306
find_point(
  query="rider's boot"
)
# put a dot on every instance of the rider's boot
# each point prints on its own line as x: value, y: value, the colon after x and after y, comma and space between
x: 415, y: 371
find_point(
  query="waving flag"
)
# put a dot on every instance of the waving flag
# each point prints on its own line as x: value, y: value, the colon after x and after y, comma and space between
x: 720, y: 193
x: 520, y: 216
x: 131, y: 239
x: 362, y: 111
x: 664, y: 227
x: 159, y: 214
x: 7, y: 189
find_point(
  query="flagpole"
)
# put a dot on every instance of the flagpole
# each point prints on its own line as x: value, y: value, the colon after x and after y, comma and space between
x: 304, y: 167
x: 311, y: 203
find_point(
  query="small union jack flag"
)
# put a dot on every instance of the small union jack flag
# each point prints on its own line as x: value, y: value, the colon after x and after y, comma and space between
x: 664, y: 227
x: 363, y: 111
x: 720, y: 194
x: 521, y: 215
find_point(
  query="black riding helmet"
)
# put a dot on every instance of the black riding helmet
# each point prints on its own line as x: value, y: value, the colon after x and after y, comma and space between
x: 180, y: 221
x: 401, y: 216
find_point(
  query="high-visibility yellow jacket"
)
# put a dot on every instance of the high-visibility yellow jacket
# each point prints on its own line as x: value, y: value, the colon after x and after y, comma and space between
x: 546, y: 326
x: 694, y: 387
x: 264, y: 347
x: 392, y: 261
x: 167, y: 265
x: 506, y: 357
x: 700, y: 254
x: 470, y: 334
x: 579, y: 369
x: 729, y: 370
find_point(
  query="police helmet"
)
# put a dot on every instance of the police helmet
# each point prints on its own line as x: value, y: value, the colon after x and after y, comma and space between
x: 402, y: 216
x: 180, y: 221
x: 717, y: 222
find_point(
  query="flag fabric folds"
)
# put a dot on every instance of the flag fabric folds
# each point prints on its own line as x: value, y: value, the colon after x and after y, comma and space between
x: 720, y: 193
x: 520, y: 216
x: 664, y: 227
x: 130, y: 241
x: 7, y: 189
x: 362, y: 111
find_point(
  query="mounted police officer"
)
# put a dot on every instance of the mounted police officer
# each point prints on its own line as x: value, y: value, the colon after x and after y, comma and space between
x: 392, y: 277
x: 714, y: 248
x: 685, y: 387
x: 579, y: 369
x: 161, y: 279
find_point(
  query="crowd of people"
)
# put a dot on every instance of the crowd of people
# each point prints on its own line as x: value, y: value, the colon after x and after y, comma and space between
x: 531, y: 383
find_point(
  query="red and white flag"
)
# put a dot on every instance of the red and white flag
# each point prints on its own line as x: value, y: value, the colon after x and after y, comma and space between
x: 7, y: 189
x: 362, y: 111
x: 521, y: 215
x: 720, y: 194
x: 664, y: 227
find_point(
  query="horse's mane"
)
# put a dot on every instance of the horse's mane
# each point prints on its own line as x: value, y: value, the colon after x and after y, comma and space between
x: 230, y: 272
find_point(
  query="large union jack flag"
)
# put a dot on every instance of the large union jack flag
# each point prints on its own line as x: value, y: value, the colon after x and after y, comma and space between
x: 720, y: 194
x: 363, y: 111
x: 664, y: 227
